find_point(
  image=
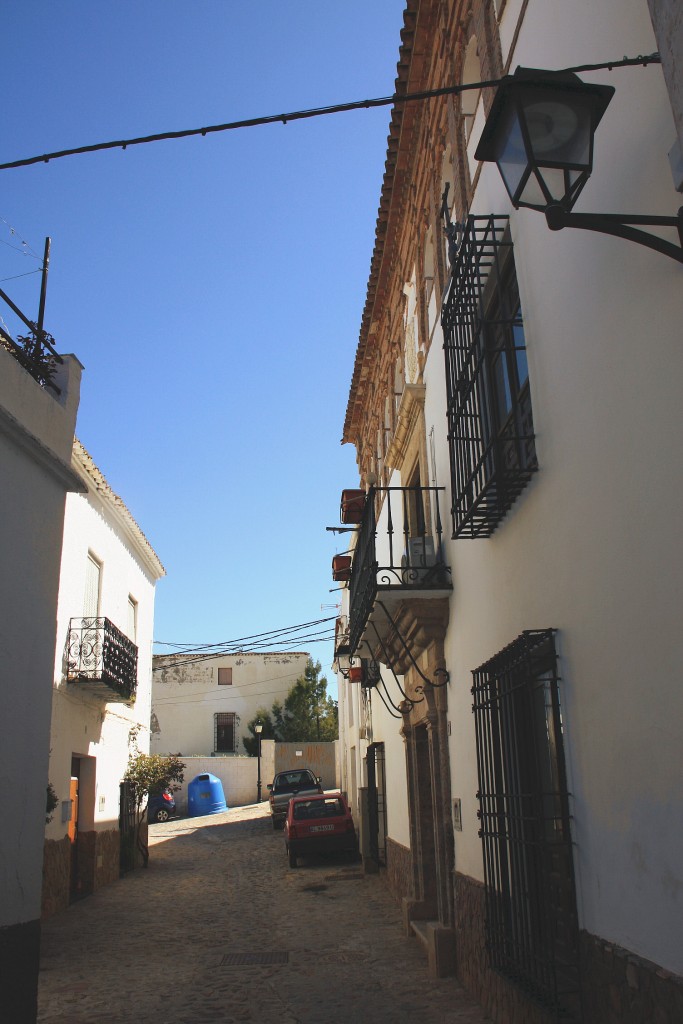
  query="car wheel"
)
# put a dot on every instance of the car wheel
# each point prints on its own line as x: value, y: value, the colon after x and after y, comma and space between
x: 162, y: 815
x: 292, y: 858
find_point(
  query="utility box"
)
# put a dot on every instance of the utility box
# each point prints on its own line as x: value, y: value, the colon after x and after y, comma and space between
x: 205, y: 796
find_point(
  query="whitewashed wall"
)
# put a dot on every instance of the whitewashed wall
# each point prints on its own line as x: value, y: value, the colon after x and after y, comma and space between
x: 594, y: 545
x: 85, y: 724
x: 187, y: 696
x: 238, y: 775
x: 353, y: 747
x: 36, y: 432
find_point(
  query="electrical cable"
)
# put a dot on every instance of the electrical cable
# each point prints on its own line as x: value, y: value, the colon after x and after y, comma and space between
x: 189, y: 660
x: 16, y: 276
x: 191, y: 648
x: 298, y: 115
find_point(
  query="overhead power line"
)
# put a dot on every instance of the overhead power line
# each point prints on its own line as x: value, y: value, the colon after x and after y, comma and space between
x: 300, y: 115
x: 254, y: 640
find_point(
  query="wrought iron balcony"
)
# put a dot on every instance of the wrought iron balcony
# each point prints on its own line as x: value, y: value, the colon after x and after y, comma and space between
x: 398, y: 557
x: 341, y: 636
x: 36, y: 353
x: 102, y: 659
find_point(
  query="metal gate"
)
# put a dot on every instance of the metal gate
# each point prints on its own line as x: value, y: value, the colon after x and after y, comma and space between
x: 127, y: 825
x: 377, y: 804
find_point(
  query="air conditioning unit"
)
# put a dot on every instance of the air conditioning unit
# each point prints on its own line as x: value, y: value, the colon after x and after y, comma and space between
x: 418, y: 560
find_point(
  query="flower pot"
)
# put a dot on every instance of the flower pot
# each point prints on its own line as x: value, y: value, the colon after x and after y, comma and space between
x: 341, y: 568
x: 352, y: 505
x: 356, y: 674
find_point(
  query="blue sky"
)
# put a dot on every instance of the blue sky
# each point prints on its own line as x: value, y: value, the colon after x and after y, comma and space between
x: 212, y: 287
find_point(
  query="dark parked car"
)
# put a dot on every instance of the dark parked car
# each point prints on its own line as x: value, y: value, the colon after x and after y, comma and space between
x: 319, y: 824
x: 285, y: 785
x: 160, y: 806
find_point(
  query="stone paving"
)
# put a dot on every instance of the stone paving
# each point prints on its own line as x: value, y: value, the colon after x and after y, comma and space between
x: 219, y: 930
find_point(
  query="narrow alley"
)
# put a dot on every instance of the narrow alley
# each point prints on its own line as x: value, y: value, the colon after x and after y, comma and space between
x: 220, y: 930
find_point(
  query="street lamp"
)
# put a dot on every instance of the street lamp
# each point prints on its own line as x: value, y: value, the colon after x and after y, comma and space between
x: 539, y: 132
x: 258, y: 728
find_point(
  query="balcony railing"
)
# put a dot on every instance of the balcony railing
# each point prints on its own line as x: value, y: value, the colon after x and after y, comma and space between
x: 398, y: 553
x: 102, y: 658
x: 341, y: 636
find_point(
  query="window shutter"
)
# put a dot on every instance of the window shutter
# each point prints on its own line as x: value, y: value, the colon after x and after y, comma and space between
x: 91, y: 600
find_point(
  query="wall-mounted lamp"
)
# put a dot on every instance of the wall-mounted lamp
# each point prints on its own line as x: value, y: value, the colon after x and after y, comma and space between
x: 258, y: 729
x: 540, y: 134
x: 344, y: 664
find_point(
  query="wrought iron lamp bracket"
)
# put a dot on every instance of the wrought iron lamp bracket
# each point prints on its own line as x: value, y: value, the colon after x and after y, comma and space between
x: 621, y: 225
x: 439, y: 672
x: 406, y: 705
x: 453, y: 230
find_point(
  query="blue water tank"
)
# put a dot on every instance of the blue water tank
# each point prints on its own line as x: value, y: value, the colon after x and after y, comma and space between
x: 205, y: 796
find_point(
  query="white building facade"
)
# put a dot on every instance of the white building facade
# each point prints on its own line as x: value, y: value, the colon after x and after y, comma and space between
x: 37, y: 423
x: 515, y: 588
x: 102, y: 684
x: 201, y: 704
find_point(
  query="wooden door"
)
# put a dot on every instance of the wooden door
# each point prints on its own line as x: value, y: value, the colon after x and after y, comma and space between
x: 72, y: 831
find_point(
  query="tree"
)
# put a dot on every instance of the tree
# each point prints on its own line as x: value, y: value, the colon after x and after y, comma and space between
x: 308, y: 714
x: 51, y: 801
x: 268, y: 733
x: 150, y: 773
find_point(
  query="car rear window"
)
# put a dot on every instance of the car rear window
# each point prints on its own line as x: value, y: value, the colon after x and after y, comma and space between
x: 293, y: 780
x: 331, y: 807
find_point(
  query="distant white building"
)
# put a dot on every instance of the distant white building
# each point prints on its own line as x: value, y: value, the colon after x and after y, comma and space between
x: 201, y: 705
x: 102, y: 683
x: 37, y: 424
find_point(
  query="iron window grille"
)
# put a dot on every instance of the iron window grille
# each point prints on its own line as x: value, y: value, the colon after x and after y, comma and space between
x: 531, y: 921
x: 224, y: 733
x: 490, y: 423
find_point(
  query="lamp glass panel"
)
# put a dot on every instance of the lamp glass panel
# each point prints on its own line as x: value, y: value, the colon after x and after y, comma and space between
x: 344, y: 663
x: 533, y: 195
x: 559, y: 127
x: 512, y: 157
x: 555, y: 181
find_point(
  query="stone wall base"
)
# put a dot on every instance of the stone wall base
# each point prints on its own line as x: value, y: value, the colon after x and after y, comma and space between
x: 399, y: 872
x: 504, y: 1001
x: 56, y: 873
x: 617, y: 987
x: 622, y: 988
x: 98, y: 865
x: 107, y: 857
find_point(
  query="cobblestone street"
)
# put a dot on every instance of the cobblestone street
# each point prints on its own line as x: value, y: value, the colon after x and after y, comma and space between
x: 220, y: 930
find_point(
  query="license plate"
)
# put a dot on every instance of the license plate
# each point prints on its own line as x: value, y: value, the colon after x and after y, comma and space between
x: 322, y: 828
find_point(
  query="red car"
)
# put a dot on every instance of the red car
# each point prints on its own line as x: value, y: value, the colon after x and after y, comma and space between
x: 319, y: 823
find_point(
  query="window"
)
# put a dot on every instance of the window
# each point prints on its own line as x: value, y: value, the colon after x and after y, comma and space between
x: 531, y: 923
x: 132, y: 619
x: 91, y: 599
x: 490, y: 423
x: 471, y: 73
x: 224, y: 738
x: 225, y: 676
